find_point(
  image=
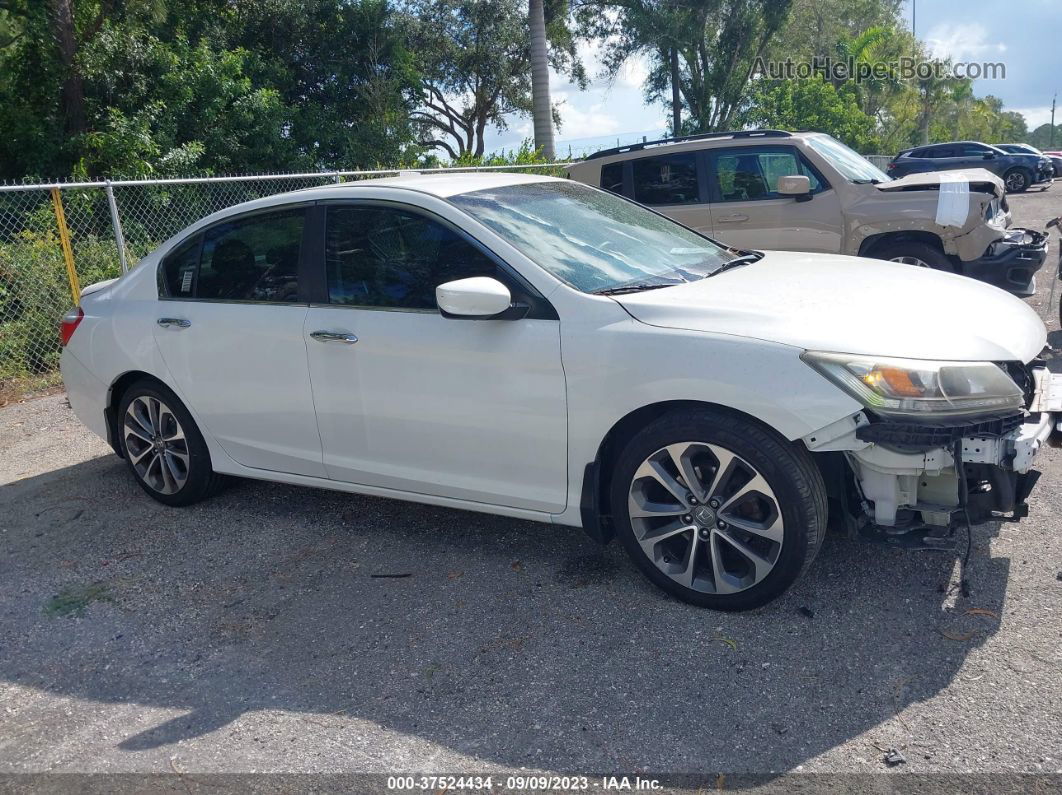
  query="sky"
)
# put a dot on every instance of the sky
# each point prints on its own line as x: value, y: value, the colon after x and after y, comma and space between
x: 1025, y: 35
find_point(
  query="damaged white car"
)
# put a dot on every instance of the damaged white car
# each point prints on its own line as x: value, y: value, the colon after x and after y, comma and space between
x: 540, y: 349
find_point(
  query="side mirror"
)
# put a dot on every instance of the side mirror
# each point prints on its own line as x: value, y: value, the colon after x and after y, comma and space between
x: 990, y: 155
x: 797, y: 185
x: 478, y: 298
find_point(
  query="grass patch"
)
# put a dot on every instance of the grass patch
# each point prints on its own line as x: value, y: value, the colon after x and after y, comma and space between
x: 72, y: 600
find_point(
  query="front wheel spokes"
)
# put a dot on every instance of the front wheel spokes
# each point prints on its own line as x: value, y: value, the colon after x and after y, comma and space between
x: 651, y: 539
x: 761, y: 566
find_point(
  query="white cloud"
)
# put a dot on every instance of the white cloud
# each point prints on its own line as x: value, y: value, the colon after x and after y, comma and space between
x: 963, y: 42
x: 1034, y: 117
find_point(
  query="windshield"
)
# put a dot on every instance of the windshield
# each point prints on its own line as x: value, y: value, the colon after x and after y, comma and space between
x: 854, y: 167
x: 592, y: 240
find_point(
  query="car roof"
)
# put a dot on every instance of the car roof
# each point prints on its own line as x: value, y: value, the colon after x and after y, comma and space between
x: 693, y: 143
x: 442, y: 184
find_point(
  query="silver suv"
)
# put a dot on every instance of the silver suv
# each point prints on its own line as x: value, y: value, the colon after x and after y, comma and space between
x: 806, y: 191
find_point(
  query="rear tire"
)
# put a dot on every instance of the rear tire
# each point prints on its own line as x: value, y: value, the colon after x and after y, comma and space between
x: 914, y: 252
x: 163, y: 446
x: 1017, y: 180
x: 745, y: 530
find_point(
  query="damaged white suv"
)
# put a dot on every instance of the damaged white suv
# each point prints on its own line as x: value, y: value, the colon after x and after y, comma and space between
x: 540, y: 349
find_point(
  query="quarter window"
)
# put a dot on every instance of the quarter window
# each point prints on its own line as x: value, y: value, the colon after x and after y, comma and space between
x: 751, y: 175
x: 671, y: 179
x: 383, y: 257
x: 252, y: 259
x: 612, y: 177
x: 179, y: 270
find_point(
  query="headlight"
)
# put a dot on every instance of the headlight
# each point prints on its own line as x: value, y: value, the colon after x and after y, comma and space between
x: 919, y: 388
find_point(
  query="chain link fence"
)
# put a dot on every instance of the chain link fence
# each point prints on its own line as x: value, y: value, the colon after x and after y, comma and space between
x: 110, y: 226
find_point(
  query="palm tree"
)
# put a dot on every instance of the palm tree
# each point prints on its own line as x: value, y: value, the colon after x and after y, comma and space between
x: 540, y: 104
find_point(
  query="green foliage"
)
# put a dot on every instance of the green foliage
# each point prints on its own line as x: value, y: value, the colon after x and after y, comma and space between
x: 162, y: 88
x: 813, y: 105
x: 35, y: 292
x: 1041, y: 138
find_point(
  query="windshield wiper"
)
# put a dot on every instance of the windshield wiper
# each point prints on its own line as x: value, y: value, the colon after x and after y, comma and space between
x: 737, y: 262
x: 633, y: 288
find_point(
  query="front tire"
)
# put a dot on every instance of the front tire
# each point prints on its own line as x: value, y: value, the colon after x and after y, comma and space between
x: 163, y: 446
x: 1017, y: 180
x: 718, y: 510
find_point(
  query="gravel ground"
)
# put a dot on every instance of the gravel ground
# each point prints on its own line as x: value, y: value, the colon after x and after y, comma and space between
x: 249, y: 633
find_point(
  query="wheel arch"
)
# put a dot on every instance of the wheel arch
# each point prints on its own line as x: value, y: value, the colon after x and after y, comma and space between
x: 597, y: 474
x: 882, y: 239
x: 114, y: 398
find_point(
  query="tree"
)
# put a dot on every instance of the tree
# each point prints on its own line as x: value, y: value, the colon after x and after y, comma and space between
x: 541, y: 106
x: 813, y: 104
x: 475, y: 63
x: 157, y: 87
x: 717, y: 42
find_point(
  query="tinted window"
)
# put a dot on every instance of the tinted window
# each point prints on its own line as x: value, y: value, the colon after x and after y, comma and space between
x: 377, y: 256
x: 178, y: 270
x: 612, y: 177
x: 973, y: 150
x: 753, y: 174
x: 666, y: 180
x: 252, y: 259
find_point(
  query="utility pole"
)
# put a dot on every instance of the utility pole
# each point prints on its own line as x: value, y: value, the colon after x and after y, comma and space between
x: 1054, y: 101
x: 914, y: 18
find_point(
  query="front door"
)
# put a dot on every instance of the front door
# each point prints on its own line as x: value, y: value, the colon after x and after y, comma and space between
x: 749, y: 213
x: 230, y: 330
x: 412, y: 401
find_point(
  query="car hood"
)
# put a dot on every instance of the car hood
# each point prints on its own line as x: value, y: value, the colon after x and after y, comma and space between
x: 844, y: 304
x: 978, y: 179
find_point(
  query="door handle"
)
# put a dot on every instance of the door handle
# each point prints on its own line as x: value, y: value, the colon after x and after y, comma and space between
x: 179, y: 322
x: 334, y: 336
x: 732, y: 219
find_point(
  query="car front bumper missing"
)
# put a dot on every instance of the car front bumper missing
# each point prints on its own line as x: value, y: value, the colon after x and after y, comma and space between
x: 1011, y: 262
x: 905, y: 486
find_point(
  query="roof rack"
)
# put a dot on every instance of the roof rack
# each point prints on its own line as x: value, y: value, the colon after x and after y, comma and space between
x: 701, y: 137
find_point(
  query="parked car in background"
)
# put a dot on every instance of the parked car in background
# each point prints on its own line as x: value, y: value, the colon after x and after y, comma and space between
x: 1018, y: 170
x: 535, y: 348
x: 1054, y: 157
x: 809, y: 192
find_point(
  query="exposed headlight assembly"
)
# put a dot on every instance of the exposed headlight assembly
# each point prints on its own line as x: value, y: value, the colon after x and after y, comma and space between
x: 913, y: 388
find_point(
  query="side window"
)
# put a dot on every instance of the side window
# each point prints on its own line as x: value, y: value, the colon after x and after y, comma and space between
x: 753, y: 174
x: 671, y: 179
x: 378, y: 256
x: 177, y: 275
x: 252, y: 259
x: 941, y: 151
x: 973, y: 150
x: 612, y: 177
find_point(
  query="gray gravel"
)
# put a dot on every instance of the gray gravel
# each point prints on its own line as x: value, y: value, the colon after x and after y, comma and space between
x: 248, y: 634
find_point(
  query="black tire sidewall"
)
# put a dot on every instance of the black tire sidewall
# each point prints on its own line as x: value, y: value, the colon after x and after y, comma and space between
x: 200, y: 473
x: 795, y: 482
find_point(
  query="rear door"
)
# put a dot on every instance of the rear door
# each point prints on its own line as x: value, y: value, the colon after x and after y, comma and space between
x: 749, y: 213
x: 674, y: 185
x: 230, y: 321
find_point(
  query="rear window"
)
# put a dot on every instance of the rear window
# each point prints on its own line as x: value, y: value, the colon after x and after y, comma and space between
x: 612, y: 177
x: 671, y: 179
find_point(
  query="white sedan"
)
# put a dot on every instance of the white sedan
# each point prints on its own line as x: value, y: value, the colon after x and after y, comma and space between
x: 540, y: 349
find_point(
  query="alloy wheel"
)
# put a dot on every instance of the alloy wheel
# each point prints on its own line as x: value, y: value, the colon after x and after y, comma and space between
x: 705, y: 517
x: 921, y: 263
x: 1015, y: 181
x: 156, y: 444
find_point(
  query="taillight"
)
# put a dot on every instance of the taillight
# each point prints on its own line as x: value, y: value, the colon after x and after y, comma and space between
x: 69, y: 324
x: 891, y: 167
